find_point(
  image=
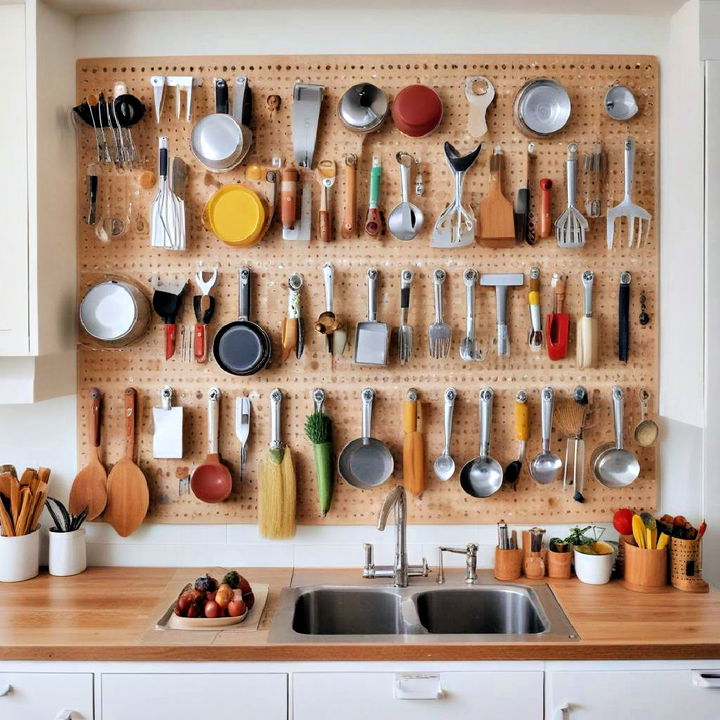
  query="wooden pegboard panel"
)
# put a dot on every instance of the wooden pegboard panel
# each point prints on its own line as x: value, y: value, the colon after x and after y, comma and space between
x: 273, y: 260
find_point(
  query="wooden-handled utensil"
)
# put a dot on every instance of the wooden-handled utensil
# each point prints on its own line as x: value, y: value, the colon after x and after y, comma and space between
x: 497, y: 215
x: 413, y: 445
x: 89, y: 489
x: 588, y: 331
x: 349, y: 227
x: 545, y: 207
x: 522, y: 434
x: 292, y: 338
x: 127, y: 490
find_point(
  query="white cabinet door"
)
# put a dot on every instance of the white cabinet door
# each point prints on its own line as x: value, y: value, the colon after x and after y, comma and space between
x: 180, y: 696
x: 418, y: 696
x: 616, y: 695
x: 14, y: 308
x: 46, y: 696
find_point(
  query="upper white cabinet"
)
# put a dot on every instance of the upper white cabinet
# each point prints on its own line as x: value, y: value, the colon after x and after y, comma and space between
x: 37, y: 204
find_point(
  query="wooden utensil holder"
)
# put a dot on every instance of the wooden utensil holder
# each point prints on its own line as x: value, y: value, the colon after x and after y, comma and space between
x: 559, y: 564
x: 620, y: 561
x: 645, y: 571
x: 686, y: 565
x: 508, y: 564
x: 534, y: 566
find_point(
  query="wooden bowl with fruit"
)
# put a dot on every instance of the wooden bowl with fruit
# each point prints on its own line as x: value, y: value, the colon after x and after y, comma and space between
x: 209, y: 603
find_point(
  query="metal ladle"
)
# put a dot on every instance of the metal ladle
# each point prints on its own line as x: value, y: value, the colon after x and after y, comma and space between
x: 483, y: 476
x: 646, y: 431
x: 444, y: 465
x: 406, y: 219
x: 546, y: 464
x: 616, y: 467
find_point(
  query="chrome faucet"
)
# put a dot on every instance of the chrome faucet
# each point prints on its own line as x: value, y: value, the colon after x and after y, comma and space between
x: 470, y: 553
x: 401, y: 571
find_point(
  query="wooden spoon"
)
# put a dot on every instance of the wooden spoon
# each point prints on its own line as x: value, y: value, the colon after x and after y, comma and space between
x: 89, y: 489
x: 127, y: 491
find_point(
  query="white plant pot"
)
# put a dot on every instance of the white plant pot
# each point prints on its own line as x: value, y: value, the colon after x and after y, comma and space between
x: 594, y: 569
x: 20, y: 557
x: 67, y: 554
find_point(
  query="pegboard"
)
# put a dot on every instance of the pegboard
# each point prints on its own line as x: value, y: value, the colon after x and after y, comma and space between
x: 273, y: 260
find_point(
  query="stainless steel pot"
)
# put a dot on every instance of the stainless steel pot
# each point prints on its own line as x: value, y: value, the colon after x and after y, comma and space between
x: 115, y: 313
x: 221, y: 141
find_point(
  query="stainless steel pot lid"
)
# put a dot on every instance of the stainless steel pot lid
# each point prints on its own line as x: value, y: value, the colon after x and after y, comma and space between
x: 542, y: 106
x: 108, y: 311
x: 216, y: 137
x: 363, y: 107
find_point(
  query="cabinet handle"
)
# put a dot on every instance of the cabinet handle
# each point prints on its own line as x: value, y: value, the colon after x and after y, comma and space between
x: 5, y: 689
x: 66, y: 715
x: 417, y: 686
x: 564, y: 713
x: 706, y: 678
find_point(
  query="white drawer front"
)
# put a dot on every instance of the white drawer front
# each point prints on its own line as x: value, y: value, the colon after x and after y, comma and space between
x: 188, y: 696
x: 665, y: 694
x: 418, y: 696
x: 46, y: 696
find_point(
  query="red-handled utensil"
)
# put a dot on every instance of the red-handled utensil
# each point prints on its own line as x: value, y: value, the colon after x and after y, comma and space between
x: 167, y: 300
x: 558, y: 322
x: 204, y: 307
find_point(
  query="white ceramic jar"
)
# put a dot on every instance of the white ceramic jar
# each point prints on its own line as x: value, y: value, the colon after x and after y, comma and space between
x: 593, y: 569
x: 20, y: 557
x: 67, y: 553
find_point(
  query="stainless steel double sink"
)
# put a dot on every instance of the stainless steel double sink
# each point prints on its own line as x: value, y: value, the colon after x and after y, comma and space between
x: 423, y: 613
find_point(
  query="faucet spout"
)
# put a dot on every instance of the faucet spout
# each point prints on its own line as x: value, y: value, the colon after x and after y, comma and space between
x: 397, y: 498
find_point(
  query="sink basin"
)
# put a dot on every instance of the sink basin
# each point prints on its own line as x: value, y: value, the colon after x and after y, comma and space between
x: 348, y: 611
x: 419, y: 614
x: 482, y: 611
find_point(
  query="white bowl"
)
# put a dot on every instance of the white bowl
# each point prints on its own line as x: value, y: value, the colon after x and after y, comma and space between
x: 593, y: 569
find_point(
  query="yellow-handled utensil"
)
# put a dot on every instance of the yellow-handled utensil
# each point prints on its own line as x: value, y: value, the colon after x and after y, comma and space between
x: 663, y: 541
x: 638, y: 528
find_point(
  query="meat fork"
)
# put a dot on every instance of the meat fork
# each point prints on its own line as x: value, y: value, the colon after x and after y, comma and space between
x: 627, y: 208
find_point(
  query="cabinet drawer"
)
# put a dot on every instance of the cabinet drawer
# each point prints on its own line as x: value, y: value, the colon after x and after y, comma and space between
x: 665, y: 694
x: 193, y: 695
x: 418, y: 695
x: 46, y: 696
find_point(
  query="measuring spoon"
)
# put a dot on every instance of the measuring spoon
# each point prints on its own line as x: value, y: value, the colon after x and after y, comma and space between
x: 546, y: 465
x: 444, y: 466
x: 483, y: 476
x: 406, y: 219
x: 646, y: 431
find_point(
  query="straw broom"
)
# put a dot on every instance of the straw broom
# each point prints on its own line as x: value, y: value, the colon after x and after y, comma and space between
x: 276, y: 482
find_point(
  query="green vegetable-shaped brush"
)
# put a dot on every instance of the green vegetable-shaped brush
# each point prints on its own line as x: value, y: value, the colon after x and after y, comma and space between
x: 318, y: 428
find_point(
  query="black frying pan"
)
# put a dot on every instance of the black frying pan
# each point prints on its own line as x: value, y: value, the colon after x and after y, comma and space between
x: 242, y: 347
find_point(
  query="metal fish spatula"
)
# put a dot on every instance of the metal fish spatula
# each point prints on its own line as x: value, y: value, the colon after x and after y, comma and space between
x: 627, y: 208
x: 439, y: 332
x: 571, y: 227
x: 405, y: 331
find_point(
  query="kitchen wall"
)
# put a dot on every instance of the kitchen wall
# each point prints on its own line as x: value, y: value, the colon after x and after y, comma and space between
x: 45, y: 433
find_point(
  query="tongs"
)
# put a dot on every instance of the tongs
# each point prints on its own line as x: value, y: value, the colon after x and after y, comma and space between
x: 456, y: 225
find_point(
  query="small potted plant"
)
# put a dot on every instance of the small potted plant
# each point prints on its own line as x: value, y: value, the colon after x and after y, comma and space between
x: 67, y: 553
x: 593, y: 558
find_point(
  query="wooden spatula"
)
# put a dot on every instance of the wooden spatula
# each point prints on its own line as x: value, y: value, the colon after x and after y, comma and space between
x: 127, y: 491
x: 497, y: 216
x: 89, y: 489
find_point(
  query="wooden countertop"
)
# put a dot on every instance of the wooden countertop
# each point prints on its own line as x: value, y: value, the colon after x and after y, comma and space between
x: 103, y: 613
